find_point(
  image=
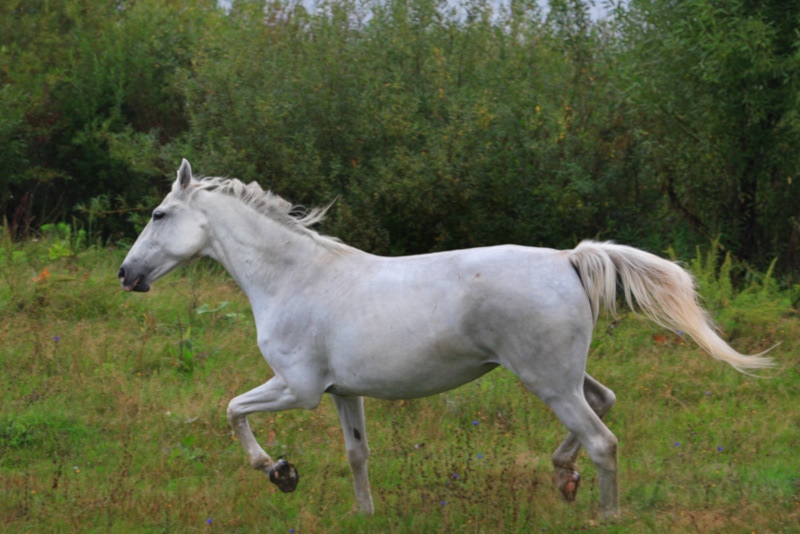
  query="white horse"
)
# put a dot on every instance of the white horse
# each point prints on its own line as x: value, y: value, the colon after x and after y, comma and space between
x: 334, y: 319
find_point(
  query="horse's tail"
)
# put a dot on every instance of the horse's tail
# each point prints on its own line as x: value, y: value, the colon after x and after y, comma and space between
x: 660, y: 289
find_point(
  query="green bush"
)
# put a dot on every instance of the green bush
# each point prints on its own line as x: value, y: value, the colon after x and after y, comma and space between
x: 436, y: 125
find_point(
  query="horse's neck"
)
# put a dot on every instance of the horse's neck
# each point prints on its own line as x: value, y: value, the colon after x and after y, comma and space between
x: 258, y: 252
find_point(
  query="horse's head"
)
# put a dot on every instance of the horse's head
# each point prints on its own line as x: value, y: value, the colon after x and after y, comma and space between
x: 176, y: 233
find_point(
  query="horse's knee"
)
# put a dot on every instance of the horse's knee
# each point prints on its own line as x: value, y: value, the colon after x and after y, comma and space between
x: 233, y: 412
x: 358, y: 455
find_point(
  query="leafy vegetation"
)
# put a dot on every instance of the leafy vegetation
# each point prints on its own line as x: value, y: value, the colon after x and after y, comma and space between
x: 112, y: 419
x: 435, y: 124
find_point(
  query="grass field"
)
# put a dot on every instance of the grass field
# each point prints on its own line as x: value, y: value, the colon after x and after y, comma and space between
x: 113, y: 420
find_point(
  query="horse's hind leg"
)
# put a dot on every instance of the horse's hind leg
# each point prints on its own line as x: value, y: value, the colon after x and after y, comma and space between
x: 563, y: 390
x: 351, y: 415
x: 601, y: 399
x: 601, y: 445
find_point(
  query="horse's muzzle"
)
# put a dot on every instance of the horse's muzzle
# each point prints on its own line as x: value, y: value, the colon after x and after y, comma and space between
x: 138, y: 284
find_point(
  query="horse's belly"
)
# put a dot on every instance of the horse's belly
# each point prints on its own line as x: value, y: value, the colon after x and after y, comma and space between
x: 408, y: 377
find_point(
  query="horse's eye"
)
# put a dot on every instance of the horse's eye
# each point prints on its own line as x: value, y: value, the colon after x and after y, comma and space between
x: 158, y: 215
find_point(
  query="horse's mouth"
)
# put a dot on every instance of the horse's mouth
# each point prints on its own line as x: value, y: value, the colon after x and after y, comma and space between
x: 138, y: 285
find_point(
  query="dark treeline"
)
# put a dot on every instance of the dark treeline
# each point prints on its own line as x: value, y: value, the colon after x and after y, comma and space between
x: 436, y: 125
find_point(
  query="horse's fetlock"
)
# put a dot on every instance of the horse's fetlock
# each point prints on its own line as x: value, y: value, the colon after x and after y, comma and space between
x: 261, y: 464
x: 566, y: 464
x: 358, y: 455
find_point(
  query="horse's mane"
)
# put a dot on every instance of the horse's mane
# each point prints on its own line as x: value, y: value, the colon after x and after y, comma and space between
x: 267, y: 203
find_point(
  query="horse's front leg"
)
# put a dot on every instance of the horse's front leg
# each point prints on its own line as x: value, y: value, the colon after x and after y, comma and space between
x: 272, y: 396
x: 351, y: 415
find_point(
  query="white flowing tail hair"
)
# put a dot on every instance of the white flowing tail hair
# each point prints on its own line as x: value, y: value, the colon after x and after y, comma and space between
x: 660, y: 289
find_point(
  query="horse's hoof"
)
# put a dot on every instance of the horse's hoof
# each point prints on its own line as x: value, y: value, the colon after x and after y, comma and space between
x: 568, y: 482
x: 284, y: 475
x: 608, y: 516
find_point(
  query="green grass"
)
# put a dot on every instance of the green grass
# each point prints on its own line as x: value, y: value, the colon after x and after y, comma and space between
x: 113, y: 420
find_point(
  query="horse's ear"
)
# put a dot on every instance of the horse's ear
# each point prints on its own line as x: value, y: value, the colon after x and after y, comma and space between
x: 185, y: 174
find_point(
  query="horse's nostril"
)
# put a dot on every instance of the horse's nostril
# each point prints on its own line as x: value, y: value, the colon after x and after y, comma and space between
x: 121, y: 273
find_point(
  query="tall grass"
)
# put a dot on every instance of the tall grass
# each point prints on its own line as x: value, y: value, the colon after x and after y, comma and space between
x: 113, y: 420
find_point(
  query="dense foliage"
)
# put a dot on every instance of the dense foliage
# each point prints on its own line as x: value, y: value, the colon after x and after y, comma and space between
x: 435, y: 124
